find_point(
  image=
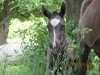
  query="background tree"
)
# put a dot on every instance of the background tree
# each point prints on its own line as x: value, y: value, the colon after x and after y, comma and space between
x: 73, y: 9
x: 4, y: 20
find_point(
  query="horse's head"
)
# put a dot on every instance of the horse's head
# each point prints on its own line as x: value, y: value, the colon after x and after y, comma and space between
x: 55, y: 25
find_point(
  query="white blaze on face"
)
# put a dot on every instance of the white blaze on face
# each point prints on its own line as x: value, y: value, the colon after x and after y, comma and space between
x: 54, y: 22
x: 54, y: 38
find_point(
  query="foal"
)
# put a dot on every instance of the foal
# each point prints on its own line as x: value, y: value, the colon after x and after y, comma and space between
x: 56, y: 28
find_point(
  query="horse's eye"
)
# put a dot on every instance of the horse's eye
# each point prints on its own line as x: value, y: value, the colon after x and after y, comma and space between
x: 48, y: 27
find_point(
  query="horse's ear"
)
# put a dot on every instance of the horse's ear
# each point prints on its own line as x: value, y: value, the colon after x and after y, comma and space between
x: 46, y: 12
x: 63, y: 9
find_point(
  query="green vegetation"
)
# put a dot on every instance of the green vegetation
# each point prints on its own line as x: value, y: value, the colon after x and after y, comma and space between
x: 28, y: 23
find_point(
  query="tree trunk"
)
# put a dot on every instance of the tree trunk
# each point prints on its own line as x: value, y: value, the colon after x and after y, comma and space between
x: 4, y: 24
x: 73, y: 9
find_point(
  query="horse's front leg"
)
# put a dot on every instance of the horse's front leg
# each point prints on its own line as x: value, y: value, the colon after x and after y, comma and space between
x: 50, y: 63
x: 71, y: 61
x: 84, y: 52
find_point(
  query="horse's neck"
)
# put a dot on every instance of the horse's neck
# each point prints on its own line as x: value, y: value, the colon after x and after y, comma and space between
x: 63, y: 36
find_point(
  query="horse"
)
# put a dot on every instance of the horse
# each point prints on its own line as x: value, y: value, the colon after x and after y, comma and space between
x: 89, y: 18
x: 57, y: 41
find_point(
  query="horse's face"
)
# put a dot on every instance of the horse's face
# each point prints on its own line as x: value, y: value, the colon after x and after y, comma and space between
x: 55, y: 25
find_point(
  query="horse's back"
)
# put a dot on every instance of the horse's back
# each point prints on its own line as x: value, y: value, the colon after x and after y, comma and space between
x: 91, y: 19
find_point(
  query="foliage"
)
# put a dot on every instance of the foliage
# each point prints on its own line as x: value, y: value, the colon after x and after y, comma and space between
x: 24, y: 9
x: 35, y: 40
x: 28, y: 23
